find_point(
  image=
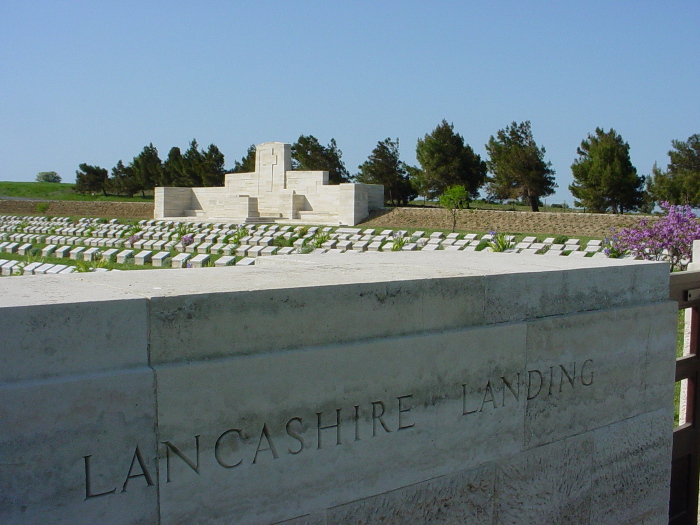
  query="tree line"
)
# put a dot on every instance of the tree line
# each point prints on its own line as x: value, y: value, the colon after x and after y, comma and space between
x: 516, y: 168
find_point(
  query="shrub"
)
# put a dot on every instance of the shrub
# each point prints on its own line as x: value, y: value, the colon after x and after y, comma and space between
x: 561, y: 239
x: 669, y: 238
x: 499, y: 243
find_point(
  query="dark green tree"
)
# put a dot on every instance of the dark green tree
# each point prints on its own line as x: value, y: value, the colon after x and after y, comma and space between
x: 309, y: 154
x: 247, y: 163
x: 680, y: 182
x: 384, y: 167
x: 193, y: 162
x: 604, y: 177
x: 122, y: 181
x: 213, y: 166
x: 419, y: 182
x: 147, y: 169
x: 91, y: 179
x: 518, y: 167
x: 447, y: 161
x: 48, y: 176
x: 174, y: 169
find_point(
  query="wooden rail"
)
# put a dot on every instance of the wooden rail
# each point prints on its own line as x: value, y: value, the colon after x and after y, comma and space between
x: 684, y: 288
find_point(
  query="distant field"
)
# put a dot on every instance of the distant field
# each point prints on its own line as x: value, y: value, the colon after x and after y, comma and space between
x: 59, y: 192
x: 482, y: 205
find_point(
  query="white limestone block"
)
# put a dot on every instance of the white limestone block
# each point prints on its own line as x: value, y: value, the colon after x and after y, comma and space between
x: 91, y: 254
x: 246, y: 261
x: 57, y: 268
x: 161, y: 260
x: 200, y: 260
x: 8, y: 267
x: 41, y: 270
x: 242, y: 250
x: 226, y: 260
x: 49, y: 250
x: 143, y: 257
x: 77, y: 253
x: 125, y: 256
x: 180, y: 260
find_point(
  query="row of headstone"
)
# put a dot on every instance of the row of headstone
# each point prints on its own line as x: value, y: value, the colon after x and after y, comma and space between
x: 158, y: 242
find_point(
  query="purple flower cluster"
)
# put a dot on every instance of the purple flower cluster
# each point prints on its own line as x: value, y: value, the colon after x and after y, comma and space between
x: 670, y: 238
x: 186, y: 240
x: 134, y: 238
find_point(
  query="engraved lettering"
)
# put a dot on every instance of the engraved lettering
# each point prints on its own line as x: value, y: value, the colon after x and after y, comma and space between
x: 530, y: 395
x: 464, y: 402
x: 144, y: 471
x: 336, y: 426
x: 488, y: 397
x: 292, y: 433
x: 270, y: 446
x: 402, y: 410
x: 509, y: 386
x: 551, y: 380
x: 88, y: 484
x: 378, y: 417
x: 583, y: 367
x: 170, y: 447
x: 568, y: 377
x: 218, y: 446
x: 357, y: 422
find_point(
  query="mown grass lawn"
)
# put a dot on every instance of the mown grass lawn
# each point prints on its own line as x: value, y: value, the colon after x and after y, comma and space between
x: 59, y: 191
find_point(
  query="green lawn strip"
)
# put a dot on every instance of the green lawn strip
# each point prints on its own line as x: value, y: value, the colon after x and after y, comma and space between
x: 60, y: 192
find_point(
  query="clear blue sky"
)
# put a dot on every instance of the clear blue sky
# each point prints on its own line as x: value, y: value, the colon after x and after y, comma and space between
x: 86, y: 81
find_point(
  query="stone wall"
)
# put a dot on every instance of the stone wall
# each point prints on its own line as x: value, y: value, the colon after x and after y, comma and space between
x: 392, y: 388
x: 118, y: 210
x: 573, y: 224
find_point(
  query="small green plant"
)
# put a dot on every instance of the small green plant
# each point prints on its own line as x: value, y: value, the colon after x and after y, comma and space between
x: 132, y: 230
x: 481, y: 246
x: 236, y: 237
x: 500, y: 242
x: 319, y: 239
x: 561, y: 239
x: 399, y: 243
x: 42, y: 207
x: 302, y: 230
x: 282, y: 242
x: 455, y: 198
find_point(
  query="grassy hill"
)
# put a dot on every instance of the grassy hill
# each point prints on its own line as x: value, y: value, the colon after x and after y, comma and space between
x: 59, y: 192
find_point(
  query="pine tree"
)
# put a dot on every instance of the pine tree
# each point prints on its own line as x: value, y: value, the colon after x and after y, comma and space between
x: 447, y: 161
x: 604, y: 177
x: 518, y: 167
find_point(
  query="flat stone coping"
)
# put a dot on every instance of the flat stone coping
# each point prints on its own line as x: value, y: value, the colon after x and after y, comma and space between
x: 293, y: 271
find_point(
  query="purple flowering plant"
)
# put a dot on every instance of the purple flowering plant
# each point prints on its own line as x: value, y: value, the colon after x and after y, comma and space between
x: 669, y: 238
x: 186, y: 240
x: 134, y: 238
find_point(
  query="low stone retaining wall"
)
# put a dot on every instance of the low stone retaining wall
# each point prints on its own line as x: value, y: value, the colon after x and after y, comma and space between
x: 117, y: 210
x: 340, y: 389
x: 573, y: 224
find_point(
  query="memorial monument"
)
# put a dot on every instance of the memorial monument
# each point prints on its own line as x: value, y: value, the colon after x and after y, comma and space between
x: 375, y: 388
x: 274, y: 192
